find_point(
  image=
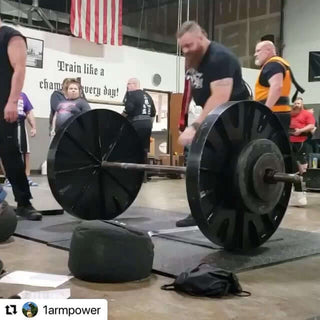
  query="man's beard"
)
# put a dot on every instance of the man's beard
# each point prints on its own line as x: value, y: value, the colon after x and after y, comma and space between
x: 193, y: 60
x: 296, y: 110
x: 257, y: 62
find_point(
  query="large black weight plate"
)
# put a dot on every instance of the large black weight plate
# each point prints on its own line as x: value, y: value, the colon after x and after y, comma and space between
x: 77, y: 180
x: 212, y: 175
x: 255, y: 159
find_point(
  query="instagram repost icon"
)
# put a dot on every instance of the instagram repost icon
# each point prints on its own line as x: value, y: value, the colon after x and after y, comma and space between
x: 30, y: 309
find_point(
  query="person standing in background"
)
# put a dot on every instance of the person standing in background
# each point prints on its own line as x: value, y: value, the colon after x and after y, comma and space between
x: 25, y: 111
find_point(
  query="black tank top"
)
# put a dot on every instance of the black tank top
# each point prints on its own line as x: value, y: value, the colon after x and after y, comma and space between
x: 6, y: 70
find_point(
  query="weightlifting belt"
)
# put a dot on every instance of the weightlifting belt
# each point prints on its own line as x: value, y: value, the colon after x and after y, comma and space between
x: 281, y: 101
x: 140, y: 117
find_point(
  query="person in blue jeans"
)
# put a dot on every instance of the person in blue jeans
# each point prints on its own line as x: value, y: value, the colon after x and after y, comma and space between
x: 3, y: 194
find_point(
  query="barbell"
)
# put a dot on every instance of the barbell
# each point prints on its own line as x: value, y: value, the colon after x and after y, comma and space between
x: 237, y: 179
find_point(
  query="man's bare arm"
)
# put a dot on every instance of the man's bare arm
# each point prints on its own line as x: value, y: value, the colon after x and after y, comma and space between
x: 276, y: 84
x: 17, y: 52
x: 220, y: 93
x: 307, y: 128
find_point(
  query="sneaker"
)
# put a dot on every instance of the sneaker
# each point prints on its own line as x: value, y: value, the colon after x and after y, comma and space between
x: 186, y: 222
x: 29, y: 212
x: 7, y: 183
x: 32, y: 183
x: 298, y: 199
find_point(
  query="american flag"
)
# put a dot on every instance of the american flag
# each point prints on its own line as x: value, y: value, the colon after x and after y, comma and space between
x: 98, y: 21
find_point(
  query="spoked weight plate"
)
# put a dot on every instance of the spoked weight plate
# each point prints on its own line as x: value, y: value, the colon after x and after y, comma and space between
x: 77, y: 180
x: 213, y: 184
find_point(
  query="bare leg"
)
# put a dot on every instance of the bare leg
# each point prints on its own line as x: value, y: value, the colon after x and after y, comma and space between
x: 2, y: 168
x: 27, y: 163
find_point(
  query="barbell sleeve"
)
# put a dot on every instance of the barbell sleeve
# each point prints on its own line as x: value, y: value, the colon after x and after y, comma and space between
x: 273, y: 177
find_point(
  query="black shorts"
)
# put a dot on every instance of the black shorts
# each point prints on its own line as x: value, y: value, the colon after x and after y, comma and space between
x: 299, y: 152
x: 23, y: 138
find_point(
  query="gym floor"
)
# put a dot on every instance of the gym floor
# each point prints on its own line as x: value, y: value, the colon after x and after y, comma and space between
x: 284, y: 291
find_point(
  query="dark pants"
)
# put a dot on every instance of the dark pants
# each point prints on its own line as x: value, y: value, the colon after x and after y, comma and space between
x: 299, y: 153
x: 13, y: 163
x: 285, y: 118
x: 143, y: 129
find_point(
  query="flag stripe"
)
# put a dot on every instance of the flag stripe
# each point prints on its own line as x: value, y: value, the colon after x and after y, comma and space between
x: 113, y: 20
x: 105, y: 23
x: 109, y: 22
x: 88, y: 20
x: 72, y: 14
x: 99, y: 21
x: 120, y: 23
x: 82, y: 18
x: 116, y: 22
x: 92, y: 20
x: 78, y: 13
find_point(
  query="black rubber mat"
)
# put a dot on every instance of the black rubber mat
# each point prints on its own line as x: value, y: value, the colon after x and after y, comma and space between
x: 59, y: 227
x: 174, y: 256
x: 178, y: 251
x: 285, y: 245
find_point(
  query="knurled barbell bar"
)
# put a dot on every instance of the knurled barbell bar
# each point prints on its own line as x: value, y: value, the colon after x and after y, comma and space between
x: 237, y: 186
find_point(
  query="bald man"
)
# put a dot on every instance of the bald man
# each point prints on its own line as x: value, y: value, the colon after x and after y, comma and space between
x: 274, y: 81
x: 139, y: 110
x: 274, y: 84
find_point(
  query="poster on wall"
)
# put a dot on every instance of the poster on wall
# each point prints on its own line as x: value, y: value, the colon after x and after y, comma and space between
x: 314, y: 66
x: 35, y: 53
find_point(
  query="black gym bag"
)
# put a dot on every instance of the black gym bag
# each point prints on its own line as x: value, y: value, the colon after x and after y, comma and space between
x: 208, y: 281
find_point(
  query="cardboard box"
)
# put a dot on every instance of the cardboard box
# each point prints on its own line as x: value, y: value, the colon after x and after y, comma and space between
x: 152, y: 147
x: 177, y: 160
x: 165, y: 159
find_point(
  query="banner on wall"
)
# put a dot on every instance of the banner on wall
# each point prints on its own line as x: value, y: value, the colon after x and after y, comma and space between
x: 91, y: 75
x: 314, y: 66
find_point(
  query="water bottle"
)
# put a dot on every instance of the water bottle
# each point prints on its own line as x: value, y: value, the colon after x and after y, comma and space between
x: 315, y: 163
x: 44, y: 168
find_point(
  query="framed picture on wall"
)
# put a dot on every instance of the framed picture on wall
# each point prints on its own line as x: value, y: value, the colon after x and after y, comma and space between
x: 314, y: 66
x: 35, y: 53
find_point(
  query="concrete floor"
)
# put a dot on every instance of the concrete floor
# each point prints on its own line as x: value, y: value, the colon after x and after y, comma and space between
x: 285, y: 291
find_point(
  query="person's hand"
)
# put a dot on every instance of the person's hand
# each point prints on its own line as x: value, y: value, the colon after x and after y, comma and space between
x: 11, y: 112
x: 33, y: 132
x: 297, y: 132
x: 187, y: 136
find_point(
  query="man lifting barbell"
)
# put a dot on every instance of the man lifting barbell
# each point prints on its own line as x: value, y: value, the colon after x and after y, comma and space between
x: 13, y: 53
x: 216, y: 78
